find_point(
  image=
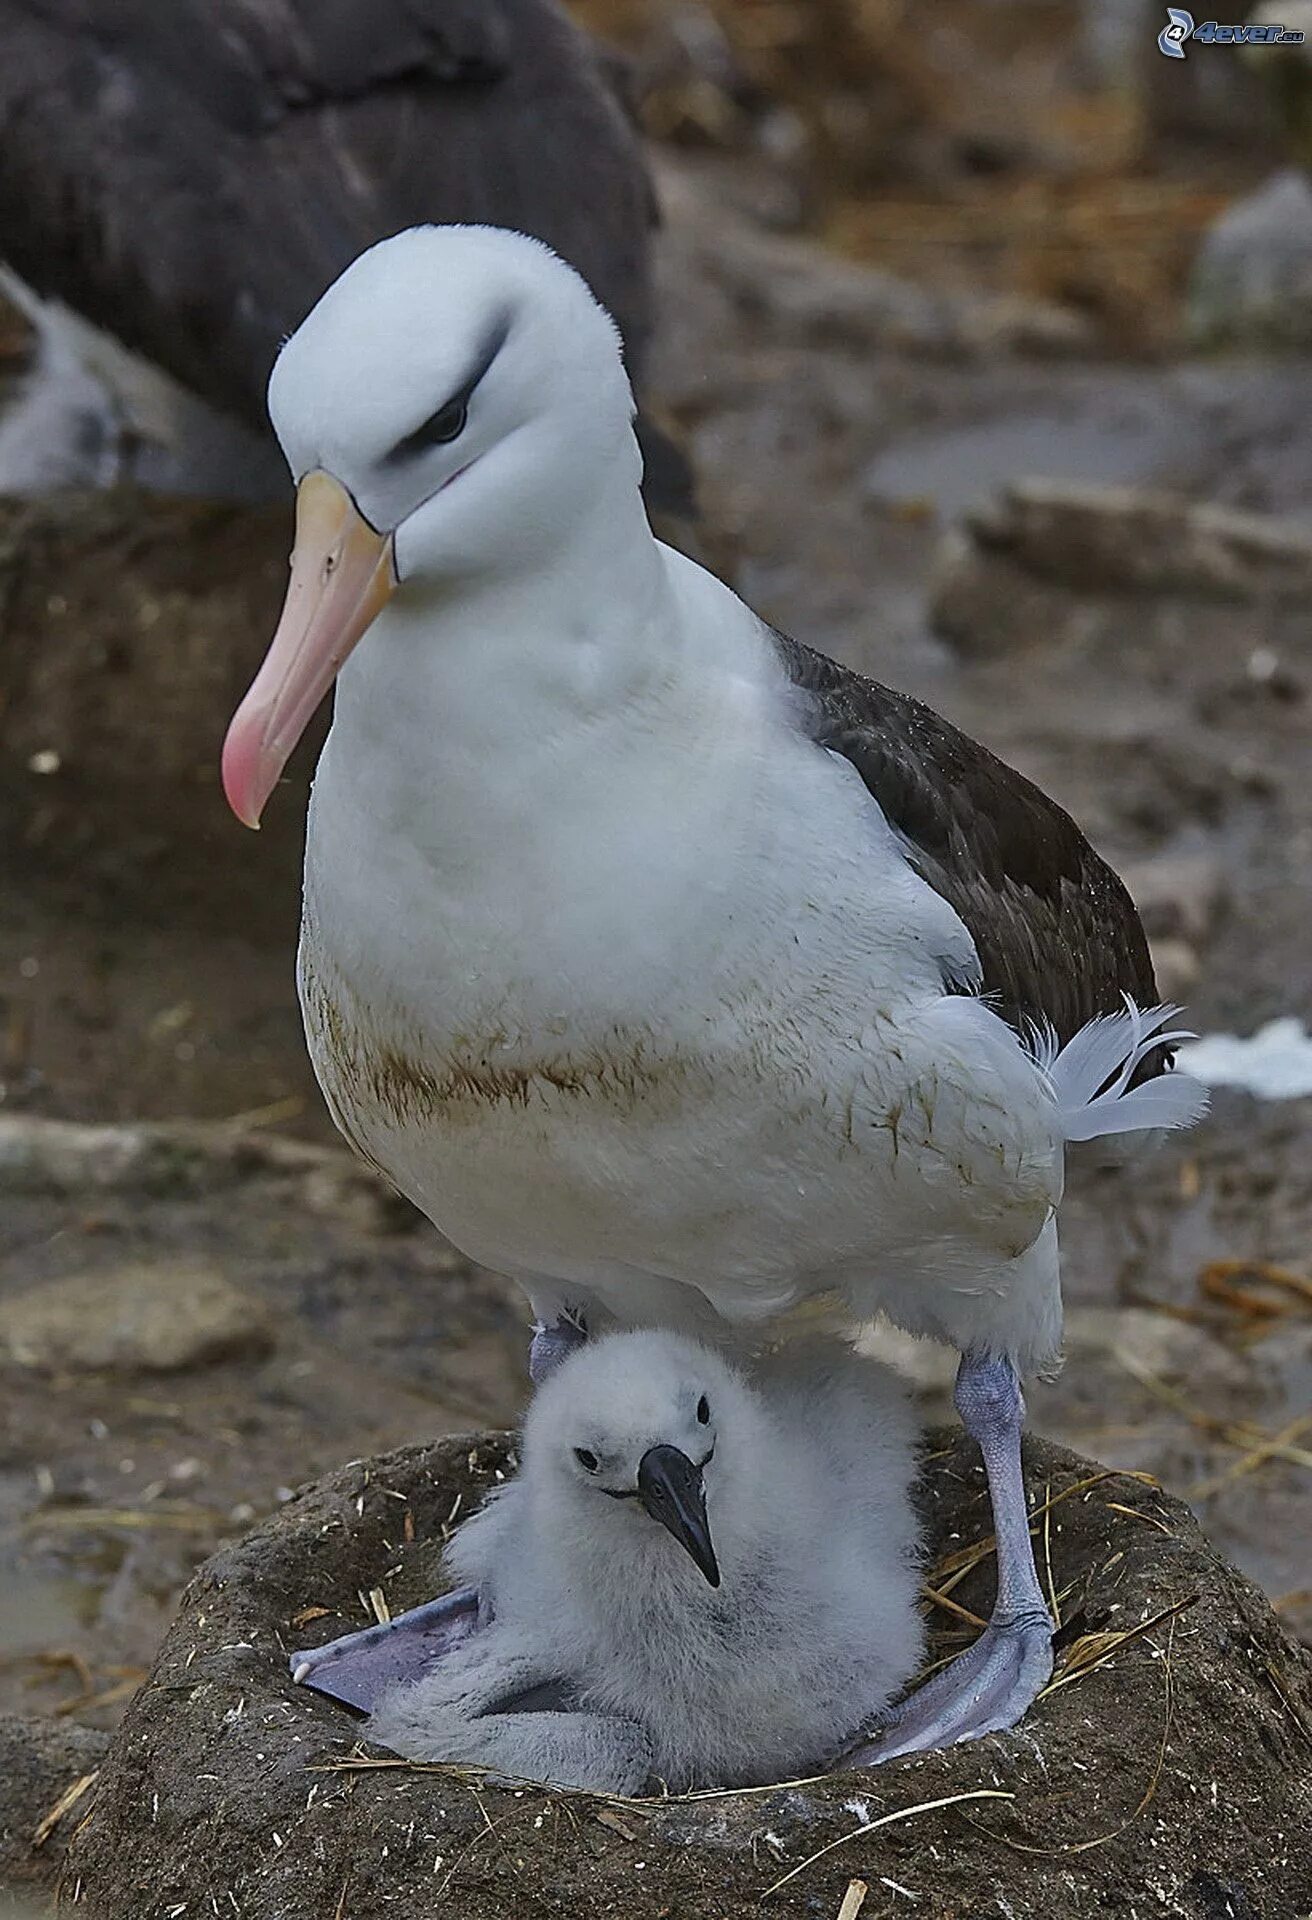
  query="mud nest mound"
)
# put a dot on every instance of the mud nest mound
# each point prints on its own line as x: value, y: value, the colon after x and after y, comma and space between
x: 1169, y: 1769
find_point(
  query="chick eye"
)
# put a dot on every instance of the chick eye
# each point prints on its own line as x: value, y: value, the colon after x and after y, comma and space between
x: 704, y: 1410
x: 587, y: 1459
x: 447, y: 424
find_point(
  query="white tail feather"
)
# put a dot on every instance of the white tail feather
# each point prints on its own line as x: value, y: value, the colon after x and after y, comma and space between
x: 1090, y: 1076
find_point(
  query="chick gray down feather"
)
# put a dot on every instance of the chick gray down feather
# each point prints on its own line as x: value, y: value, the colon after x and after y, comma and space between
x: 636, y: 1669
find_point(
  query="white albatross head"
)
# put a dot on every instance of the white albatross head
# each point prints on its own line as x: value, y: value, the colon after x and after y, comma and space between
x: 454, y: 401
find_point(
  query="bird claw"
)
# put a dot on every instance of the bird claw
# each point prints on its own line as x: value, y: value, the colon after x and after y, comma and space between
x: 987, y: 1689
x: 358, y: 1668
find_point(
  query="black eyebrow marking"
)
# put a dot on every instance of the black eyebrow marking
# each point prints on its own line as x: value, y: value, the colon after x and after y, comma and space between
x: 417, y: 442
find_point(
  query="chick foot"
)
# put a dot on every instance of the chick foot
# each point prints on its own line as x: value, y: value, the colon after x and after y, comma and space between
x: 359, y: 1668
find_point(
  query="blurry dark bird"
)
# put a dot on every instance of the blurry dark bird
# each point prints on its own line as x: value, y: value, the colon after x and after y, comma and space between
x: 184, y: 181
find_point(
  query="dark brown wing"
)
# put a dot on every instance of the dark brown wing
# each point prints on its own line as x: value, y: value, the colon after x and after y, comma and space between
x: 1056, y: 932
x: 191, y: 175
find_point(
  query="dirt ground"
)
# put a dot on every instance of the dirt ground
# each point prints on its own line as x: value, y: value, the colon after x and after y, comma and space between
x: 846, y: 428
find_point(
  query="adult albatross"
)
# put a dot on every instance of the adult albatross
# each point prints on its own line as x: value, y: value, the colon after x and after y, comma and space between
x: 180, y: 183
x: 665, y: 964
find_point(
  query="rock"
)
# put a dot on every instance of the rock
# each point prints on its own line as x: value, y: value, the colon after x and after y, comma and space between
x: 1158, y: 1343
x: 146, y: 1317
x: 1177, y: 967
x: 718, y: 275
x: 169, y: 1161
x: 1140, y: 540
x: 1219, y: 106
x: 1178, y: 894
x: 1179, y: 897
x: 1251, y: 283
x: 1032, y: 566
x: 1175, y: 1772
x: 88, y: 583
x: 42, y: 1763
x: 39, y: 1156
x: 985, y: 603
x: 1092, y: 1374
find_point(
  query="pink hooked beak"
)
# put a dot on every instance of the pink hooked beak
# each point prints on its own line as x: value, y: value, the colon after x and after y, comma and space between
x: 343, y: 574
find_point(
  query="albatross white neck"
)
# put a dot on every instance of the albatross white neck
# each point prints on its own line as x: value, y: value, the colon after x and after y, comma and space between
x: 471, y: 662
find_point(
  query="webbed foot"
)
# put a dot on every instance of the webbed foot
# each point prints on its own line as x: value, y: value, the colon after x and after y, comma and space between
x: 358, y: 1668
x: 984, y: 1690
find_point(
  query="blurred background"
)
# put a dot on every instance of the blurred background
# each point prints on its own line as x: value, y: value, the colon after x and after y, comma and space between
x: 984, y: 331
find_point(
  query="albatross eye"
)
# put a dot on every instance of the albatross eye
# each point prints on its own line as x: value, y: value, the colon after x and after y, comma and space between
x: 447, y: 424
x: 704, y: 1411
x: 587, y: 1459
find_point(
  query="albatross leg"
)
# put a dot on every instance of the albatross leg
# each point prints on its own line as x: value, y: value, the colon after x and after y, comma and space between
x: 553, y: 1342
x: 360, y: 1667
x: 990, y: 1686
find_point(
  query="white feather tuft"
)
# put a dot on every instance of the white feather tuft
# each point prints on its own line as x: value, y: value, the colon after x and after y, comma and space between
x: 1090, y: 1076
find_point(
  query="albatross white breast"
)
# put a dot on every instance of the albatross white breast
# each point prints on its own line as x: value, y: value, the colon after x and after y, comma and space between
x: 666, y: 965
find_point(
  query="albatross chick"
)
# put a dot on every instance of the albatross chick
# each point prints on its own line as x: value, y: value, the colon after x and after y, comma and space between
x: 701, y: 1576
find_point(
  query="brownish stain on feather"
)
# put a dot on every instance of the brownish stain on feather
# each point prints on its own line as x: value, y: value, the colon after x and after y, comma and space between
x: 377, y: 1074
x: 403, y: 1086
x: 366, y: 1078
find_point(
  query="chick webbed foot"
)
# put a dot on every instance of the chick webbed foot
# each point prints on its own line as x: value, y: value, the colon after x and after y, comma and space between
x: 359, y: 1668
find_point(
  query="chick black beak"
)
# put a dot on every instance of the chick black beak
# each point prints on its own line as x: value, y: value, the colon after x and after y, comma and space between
x: 670, y: 1488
